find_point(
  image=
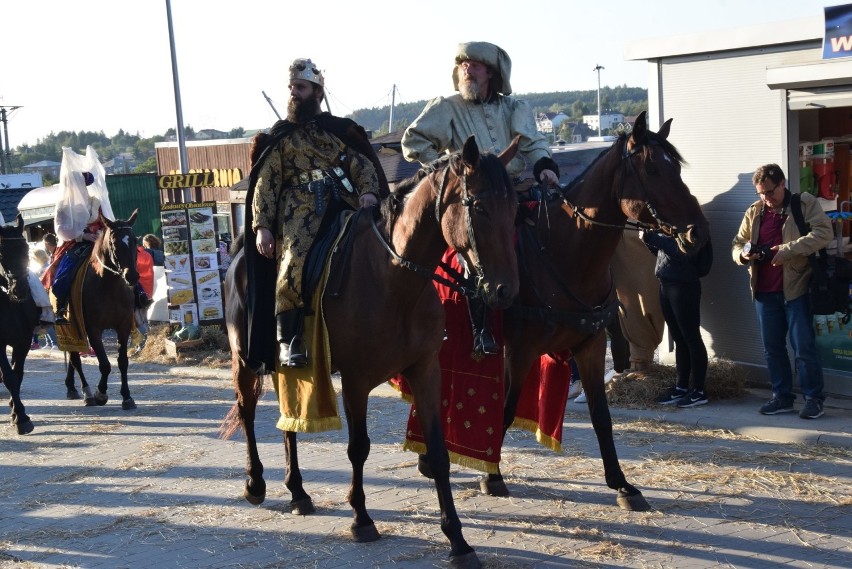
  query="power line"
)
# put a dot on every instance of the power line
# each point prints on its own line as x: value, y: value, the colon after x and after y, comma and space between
x: 5, y: 155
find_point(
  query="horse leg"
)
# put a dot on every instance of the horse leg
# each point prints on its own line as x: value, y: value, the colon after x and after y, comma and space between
x: 300, y: 503
x: 104, y: 367
x: 75, y: 364
x: 127, y: 402
x: 247, y: 388
x: 355, y: 404
x: 426, y: 387
x: 591, y: 363
x: 517, y: 368
x: 70, y: 388
x: 13, y: 380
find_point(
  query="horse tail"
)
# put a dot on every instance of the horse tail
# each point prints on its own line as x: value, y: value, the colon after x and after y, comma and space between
x: 248, y: 386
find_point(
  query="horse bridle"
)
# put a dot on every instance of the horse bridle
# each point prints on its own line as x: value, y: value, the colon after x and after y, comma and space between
x: 113, y: 266
x: 462, y: 284
x: 10, y: 275
x: 632, y: 225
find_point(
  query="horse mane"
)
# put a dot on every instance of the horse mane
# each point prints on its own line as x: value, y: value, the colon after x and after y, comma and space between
x: 653, y: 138
x: 98, y: 253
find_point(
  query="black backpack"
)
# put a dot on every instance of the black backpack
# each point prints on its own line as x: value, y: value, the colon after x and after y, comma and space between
x: 830, y: 274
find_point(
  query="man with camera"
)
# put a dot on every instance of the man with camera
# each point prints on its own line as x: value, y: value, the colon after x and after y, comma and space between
x: 769, y: 242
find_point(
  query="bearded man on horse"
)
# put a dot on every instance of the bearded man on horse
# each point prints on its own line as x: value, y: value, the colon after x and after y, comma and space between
x: 308, y: 169
x: 482, y: 108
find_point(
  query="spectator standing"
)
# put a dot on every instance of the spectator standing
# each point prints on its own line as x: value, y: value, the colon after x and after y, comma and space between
x: 680, y: 301
x: 769, y: 243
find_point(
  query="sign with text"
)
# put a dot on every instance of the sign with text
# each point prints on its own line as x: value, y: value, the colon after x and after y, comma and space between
x: 838, y: 32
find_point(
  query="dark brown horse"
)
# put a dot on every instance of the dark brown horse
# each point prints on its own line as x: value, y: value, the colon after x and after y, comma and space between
x: 566, y: 291
x: 107, y: 304
x: 388, y: 320
x: 20, y: 316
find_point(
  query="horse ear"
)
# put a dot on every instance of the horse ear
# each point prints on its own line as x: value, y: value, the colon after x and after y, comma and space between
x: 510, y: 151
x: 132, y: 217
x: 664, y: 130
x: 104, y: 219
x: 470, y: 153
x: 640, y: 128
x: 19, y: 222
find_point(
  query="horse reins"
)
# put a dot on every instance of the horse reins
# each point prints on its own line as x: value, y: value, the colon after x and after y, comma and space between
x: 112, y: 258
x: 10, y: 277
x: 459, y: 283
x: 630, y: 225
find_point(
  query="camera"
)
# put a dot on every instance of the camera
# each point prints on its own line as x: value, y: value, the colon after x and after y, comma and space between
x: 761, y: 253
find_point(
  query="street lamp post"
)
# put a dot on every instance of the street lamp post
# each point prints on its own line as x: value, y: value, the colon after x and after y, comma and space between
x: 598, y: 69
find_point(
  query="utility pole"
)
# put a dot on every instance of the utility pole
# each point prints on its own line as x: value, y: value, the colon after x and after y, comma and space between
x: 181, y: 135
x: 598, y: 69
x: 390, y: 120
x: 5, y: 155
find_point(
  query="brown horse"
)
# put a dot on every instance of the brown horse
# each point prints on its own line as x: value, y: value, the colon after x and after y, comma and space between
x: 387, y: 318
x: 20, y: 316
x: 566, y: 292
x: 107, y: 304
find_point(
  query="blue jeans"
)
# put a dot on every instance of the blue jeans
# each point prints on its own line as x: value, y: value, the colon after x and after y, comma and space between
x: 776, y: 318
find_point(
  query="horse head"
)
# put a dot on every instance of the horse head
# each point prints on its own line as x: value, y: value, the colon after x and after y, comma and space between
x: 651, y: 190
x: 14, y: 259
x: 115, y: 250
x: 476, y: 208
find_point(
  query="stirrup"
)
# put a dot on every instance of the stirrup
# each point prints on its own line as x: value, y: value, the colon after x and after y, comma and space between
x: 484, y: 343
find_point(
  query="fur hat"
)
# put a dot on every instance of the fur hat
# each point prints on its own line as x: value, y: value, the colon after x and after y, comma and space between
x: 305, y: 69
x: 491, y: 55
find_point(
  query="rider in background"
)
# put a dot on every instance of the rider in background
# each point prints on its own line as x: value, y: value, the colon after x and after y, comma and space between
x: 483, y: 108
x: 69, y: 255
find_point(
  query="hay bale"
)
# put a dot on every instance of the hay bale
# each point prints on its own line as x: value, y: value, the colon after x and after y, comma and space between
x: 725, y: 380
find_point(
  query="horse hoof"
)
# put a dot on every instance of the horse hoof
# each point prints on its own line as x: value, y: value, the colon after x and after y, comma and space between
x: 128, y: 404
x: 101, y: 398
x: 633, y: 503
x: 364, y: 534
x: 493, y: 486
x: 73, y: 394
x: 305, y: 506
x: 254, y: 500
x: 90, y: 402
x: 25, y: 428
x: 423, y: 467
x: 466, y: 561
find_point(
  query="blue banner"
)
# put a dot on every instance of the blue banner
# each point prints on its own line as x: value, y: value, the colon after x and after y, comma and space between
x: 838, y: 32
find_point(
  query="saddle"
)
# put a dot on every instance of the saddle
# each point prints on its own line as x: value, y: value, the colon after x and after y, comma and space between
x: 72, y: 337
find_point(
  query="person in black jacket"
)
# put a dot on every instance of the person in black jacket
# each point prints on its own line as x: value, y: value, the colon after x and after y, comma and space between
x: 680, y: 300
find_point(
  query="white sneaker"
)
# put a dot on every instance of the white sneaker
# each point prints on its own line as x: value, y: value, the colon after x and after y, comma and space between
x: 610, y: 375
x: 581, y: 398
x: 574, y: 389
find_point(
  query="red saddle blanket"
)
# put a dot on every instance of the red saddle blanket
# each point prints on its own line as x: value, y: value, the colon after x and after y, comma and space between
x: 472, y: 394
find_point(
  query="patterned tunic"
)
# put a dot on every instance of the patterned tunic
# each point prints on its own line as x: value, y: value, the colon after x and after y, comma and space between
x: 289, y: 211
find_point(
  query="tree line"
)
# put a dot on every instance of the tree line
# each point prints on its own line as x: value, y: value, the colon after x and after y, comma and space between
x: 626, y: 100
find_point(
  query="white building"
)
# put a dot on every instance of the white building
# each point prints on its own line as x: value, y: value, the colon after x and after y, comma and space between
x: 609, y: 119
x: 741, y: 98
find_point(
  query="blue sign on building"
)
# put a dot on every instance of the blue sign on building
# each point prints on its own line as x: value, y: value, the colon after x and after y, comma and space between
x: 838, y: 32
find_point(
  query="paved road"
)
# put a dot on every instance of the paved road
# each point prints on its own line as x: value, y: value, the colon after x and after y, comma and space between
x: 155, y: 487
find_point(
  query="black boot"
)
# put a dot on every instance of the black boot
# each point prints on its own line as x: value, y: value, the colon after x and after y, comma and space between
x: 142, y: 300
x: 61, y: 310
x: 292, y: 351
x: 480, y: 321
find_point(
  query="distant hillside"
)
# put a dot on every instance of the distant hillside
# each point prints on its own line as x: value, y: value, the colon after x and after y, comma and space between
x: 627, y: 100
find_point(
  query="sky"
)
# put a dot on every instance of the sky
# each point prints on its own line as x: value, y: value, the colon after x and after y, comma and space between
x: 105, y: 65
